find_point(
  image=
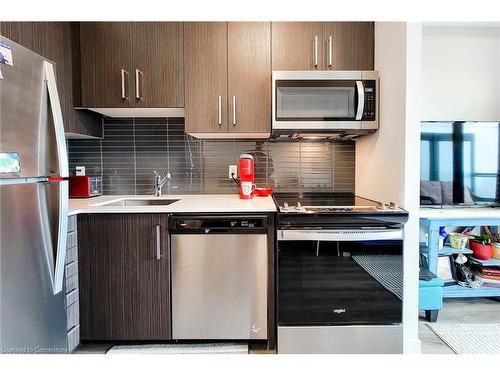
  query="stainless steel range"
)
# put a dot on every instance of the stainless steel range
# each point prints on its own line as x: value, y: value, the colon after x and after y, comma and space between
x: 330, y: 202
x: 340, y: 273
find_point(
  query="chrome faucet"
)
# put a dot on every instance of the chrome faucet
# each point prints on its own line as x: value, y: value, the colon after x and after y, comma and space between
x: 159, y: 182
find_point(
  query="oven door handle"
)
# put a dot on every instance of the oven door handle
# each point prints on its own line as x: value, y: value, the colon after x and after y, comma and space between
x: 339, y: 235
x: 361, y: 100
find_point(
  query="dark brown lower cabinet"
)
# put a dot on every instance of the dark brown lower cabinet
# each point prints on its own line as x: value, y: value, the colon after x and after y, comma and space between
x: 124, y: 277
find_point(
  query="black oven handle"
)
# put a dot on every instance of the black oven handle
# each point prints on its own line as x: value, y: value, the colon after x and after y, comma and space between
x: 361, y: 100
x: 339, y: 235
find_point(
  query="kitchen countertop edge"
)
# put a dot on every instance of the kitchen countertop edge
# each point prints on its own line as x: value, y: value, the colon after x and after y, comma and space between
x: 204, y: 203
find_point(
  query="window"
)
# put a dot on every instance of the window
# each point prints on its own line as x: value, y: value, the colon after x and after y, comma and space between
x: 460, y: 162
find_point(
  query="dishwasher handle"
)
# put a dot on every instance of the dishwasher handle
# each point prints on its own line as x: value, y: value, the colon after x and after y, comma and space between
x: 208, y: 225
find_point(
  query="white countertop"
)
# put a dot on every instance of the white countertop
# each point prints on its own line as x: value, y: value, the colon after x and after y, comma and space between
x: 460, y: 213
x: 205, y: 203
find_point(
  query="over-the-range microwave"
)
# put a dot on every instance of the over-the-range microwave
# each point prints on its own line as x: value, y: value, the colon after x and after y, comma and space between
x: 334, y: 104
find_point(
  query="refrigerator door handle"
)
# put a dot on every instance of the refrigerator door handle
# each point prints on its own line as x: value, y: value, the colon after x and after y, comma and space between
x: 62, y: 236
x: 55, y: 106
x: 62, y: 160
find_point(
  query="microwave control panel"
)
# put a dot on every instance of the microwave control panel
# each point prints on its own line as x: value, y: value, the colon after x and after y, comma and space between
x: 369, y: 112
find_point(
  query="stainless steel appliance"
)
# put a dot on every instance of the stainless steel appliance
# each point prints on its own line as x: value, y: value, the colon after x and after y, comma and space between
x: 340, y: 270
x: 34, y: 205
x: 337, y: 104
x: 219, y: 277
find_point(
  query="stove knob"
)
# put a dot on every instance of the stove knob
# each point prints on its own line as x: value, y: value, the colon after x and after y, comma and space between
x: 299, y: 206
x: 393, y: 206
x: 381, y: 206
x: 285, y: 206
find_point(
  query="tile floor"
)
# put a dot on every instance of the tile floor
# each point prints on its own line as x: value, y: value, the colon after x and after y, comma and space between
x: 478, y: 310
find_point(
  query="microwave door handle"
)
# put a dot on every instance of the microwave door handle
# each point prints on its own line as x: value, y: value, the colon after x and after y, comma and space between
x: 361, y: 100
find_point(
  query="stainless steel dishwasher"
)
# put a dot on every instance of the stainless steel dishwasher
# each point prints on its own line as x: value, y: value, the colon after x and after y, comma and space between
x: 219, y: 277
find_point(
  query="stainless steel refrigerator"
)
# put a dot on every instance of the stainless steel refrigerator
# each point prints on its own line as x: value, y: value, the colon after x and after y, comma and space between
x: 33, y: 204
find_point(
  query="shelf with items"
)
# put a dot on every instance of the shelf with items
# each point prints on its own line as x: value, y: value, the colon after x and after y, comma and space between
x: 452, y: 291
x: 492, y: 262
x: 446, y: 250
x: 432, y: 252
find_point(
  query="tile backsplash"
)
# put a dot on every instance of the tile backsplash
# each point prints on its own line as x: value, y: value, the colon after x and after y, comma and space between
x: 132, y: 149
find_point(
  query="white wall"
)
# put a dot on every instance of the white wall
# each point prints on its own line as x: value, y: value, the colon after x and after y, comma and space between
x: 412, y: 185
x: 387, y: 162
x: 461, y: 72
x: 380, y: 156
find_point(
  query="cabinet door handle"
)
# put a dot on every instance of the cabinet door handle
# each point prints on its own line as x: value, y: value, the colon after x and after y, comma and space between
x: 219, y: 111
x: 330, y: 51
x: 158, y: 242
x: 124, y: 91
x: 315, y: 51
x: 138, y: 84
x: 234, y: 110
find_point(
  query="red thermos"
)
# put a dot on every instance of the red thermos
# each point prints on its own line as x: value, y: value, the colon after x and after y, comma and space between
x: 247, y: 177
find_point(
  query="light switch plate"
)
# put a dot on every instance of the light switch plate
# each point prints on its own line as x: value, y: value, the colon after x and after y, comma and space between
x: 233, y: 169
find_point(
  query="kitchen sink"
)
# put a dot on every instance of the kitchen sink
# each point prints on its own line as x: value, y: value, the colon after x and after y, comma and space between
x: 141, y: 202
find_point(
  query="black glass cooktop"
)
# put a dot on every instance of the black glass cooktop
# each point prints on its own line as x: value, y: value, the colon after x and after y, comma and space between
x: 316, y: 199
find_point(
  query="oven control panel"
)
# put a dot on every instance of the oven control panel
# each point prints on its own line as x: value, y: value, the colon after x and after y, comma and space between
x: 369, y: 112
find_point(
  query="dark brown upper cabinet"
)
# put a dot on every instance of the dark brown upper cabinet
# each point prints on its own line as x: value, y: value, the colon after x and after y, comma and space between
x: 228, y: 79
x: 106, y: 63
x: 158, y: 64
x: 20, y: 32
x: 124, y: 277
x: 323, y: 45
x: 205, y: 77
x: 249, y: 77
x: 128, y: 64
x: 349, y: 45
x: 54, y: 41
x: 297, y: 45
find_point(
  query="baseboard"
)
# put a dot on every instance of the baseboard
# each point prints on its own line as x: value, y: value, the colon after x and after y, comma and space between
x: 412, y: 346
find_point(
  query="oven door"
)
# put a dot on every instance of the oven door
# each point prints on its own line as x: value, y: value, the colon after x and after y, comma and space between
x: 319, y: 100
x: 340, y: 292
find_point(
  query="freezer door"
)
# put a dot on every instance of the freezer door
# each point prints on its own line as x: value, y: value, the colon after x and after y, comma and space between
x: 32, y: 314
x: 31, y: 126
x: 20, y: 102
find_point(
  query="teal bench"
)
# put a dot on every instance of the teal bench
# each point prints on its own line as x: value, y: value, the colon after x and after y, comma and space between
x: 430, y: 297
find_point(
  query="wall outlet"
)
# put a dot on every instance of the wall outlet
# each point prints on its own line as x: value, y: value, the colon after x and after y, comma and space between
x: 233, y: 171
x: 79, y: 171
